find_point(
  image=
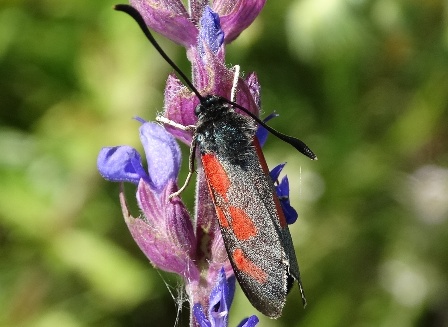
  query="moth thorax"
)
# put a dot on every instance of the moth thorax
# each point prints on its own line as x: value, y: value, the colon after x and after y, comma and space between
x: 212, y: 105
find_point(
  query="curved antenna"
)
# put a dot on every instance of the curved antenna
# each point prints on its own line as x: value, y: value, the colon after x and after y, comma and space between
x: 296, y: 143
x: 131, y: 11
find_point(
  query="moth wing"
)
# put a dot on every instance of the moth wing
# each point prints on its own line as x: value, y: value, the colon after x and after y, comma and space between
x: 250, y: 226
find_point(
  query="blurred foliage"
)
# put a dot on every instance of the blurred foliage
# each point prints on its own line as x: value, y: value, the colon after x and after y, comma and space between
x: 364, y: 83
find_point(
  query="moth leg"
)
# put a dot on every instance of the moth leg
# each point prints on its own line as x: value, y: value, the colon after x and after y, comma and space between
x: 190, y: 170
x: 236, y: 76
x: 167, y: 121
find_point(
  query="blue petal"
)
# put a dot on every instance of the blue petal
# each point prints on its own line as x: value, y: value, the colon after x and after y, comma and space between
x: 283, y: 187
x: 275, y: 172
x: 199, y: 315
x: 162, y: 154
x: 121, y: 164
x: 290, y: 213
x: 220, y: 300
x: 231, y: 284
x: 210, y: 31
x: 282, y: 190
x: 262, y: 133
x: 249, y: 322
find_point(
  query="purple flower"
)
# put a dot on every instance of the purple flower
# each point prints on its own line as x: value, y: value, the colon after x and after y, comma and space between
x: 123, y: 163
x: 210, y: 76
x: 164, y: 232
x: 171, y: 19
x: 220, y: 300
x: 172, y: 240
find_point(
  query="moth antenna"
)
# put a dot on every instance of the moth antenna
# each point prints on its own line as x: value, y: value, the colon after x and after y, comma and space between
x: 131, y: 11
x: 296, y: 143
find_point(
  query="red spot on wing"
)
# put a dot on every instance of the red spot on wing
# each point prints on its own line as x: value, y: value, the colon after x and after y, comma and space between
x: 264, y: 165
x: 248, y: 267
x: 242, y: 224
x: 216, y: 175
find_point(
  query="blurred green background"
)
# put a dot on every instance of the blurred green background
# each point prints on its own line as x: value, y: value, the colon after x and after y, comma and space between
x: 363, y: 83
